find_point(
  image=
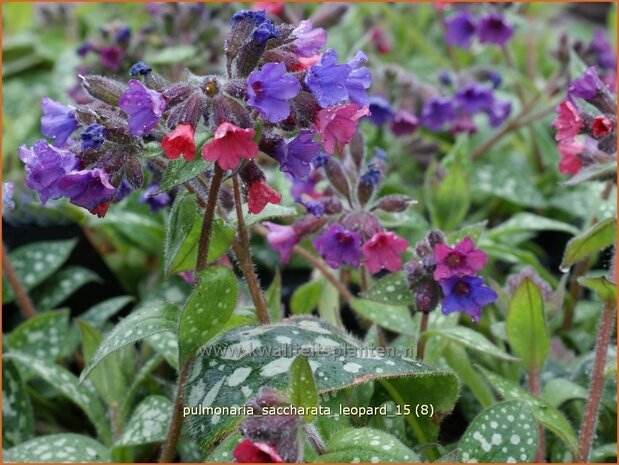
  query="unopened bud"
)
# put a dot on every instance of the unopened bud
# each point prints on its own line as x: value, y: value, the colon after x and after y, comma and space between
x: 335, y: 173
x: 365, y: 190
x: 394, y: 203
x: 134, y: 173
x: 251, y: 173
x: 332, y: 205
x: 362, y: 223
x: 427, y: 294
x: 107, y: 90
x: 187, y: 112
x: 357, y: 149
x: 229, y: 110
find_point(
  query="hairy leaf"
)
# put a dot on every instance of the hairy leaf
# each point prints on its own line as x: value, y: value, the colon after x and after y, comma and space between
x: 58, y: 448
x: 149, y: 422
x: 598, y: 237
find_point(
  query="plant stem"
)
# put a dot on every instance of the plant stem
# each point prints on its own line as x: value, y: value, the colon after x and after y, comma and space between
x: 315, y: 440
x: 243, y: 256
x: 574, y: 292
x: 421, y: 342
x: 21, y: 295
x: 535, y: 390
x: 209, y: 216
x: 607, y: 323
x: 169, y: 447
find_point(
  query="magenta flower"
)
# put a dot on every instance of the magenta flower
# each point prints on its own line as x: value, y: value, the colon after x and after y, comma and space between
x: 87, y: 188
x: 269, y: 90
x: 466, y: 294
x: 255, y: 452
x: 143, y: 106
x: 404, y: 123
x: 463, y: 259
x: 308, y: 40
x: 337, y: 125
x: 58, y: 121
x: 282, y: 239
x: 111, y: 57
x: 295, y: 155
x: 568, y: 122
x: 229, y: 144
x: 383, y: 250
x: 493, y: 29
x: 460, y: 29
x: 338, y: 246
x: 570, y: 149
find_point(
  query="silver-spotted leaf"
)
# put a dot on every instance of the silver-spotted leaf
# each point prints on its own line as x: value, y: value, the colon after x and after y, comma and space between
x: 56, y: 448
x: 396, y: 318
x: 43, y: 336
x: 470, y: 339
x: 392, y: 289
x: 149, y: 422
x: 62, y: 285
x: 17, y: 413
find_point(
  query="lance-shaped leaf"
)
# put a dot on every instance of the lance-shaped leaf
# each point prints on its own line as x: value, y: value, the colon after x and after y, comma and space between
x: 43, y: 336
x: 181, y: 171
x: 302, y: 387
x: 152, y: 319
x: 62, y: 285
x: 149, y: 422
x: 392, y: 289
x: 504, y: 432
x: 306, y: 297
x: 207, y: 310
x: 605, y: 289
x: 527, y: 331
x: 273, y: 296
x: 470, y: 339
x: 221, y: 239
x: 599, y: 237
x: 56, y: 448
x: 17, y: 414
x: 180, y: 222
x: 269, y: 212
x: 232, y: 368
x: 97, y: 315
x: 396, y: 318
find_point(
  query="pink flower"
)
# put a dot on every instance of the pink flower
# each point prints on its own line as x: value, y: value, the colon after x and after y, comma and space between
x: 568, y: 122
x: 601, y: 126
x: 383, y: 250
x: 570, y: 161
x: 255, y: 452
x: 273, y: 8
x: 282, y: 239
x: 229, y: 144
x: 338, y: 124
x: 259, y: 195
x: 180, y: 143
x: 461, y: 260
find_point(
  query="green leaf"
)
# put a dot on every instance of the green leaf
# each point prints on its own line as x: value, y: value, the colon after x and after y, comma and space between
x: 599, y: 237
x: 306, y: 297
x: 504, y: 432
x: 545, y: 413
x: 221, y: 239
x: 58, y: 448
x: 43, y: 336
x: 449, y: 198
x: 302, y: 388
x: 17, y: 414
x: 605, y: 289
x: 165, y: 344
x: 181, y: 171
x: 273, y: 297
x: 392, y: 289
x: 458, y: 360
x: 62, y: 285
x: 67, y: 383
x: 470, y: 339
x: 156, y: 318
x: 107, y: 376
x: 366, y: 445
x: 269, y: 212
x: 180, y: 223
x: 223, y: 452
x: 97, y: 315
x: 149, y: 422
x: 170, y: 55
x: 474, y: 231
x: 33, y: 263
x: 396, y: 318
x: 602, y: 172
x: 231, y: 369
x: 527, y: 222
x: 559, y: 390
x: 208, y: 309
x: 527, y: 331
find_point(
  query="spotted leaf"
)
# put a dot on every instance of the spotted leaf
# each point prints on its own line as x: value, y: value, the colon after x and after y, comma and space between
x: 62, y: 285
x: 43, y: 336
x: 302, y: 387
x: 149, y: 422
x: 58, y: 448
x: 396, y: 318
x: 470, y: 339
x: 17, y: 414
x: 392, y: 289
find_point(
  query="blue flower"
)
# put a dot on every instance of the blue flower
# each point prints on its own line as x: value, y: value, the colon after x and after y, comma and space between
x: 295, y: 155
x: 92, y: 137
x: 140, y: 69
x: 264, y: 32
x: 587, y: 86
x: 498, y: 112
x: 327, y: 80
x: 339, y: 246
x: 269, y: 90
x: 143, y: 106
x: 460, y: 29
x: 58, y: 121
x: 359, y: 80
x: 493, y: 29
x: 380, y: 110
x: 436, y: 112
x: 466, y: 294
x: 155, y: 201
x: 473, y: 98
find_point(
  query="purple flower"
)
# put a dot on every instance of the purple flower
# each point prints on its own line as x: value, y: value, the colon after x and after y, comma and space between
x: 327, y: 80
x: 257, y: 17
x: 338, y: 246
x: 460, y: 29
x: 359, y: 80
x: 605, y: 54
x: 466, y: 294
x: 404, y: 122
x: 87, y: 188
x: 83, y: 49
x: 45, y: 165
x: 295, y: 155
x: 143, y: 106
x: 155, y: 201
x: 587, y: 86
x: 58, y: 121
x: 265, y: 32
x: 473, y: 98
x: 269, y: 90
x: 493, y: 29
x: 315, y: 207
x: 380, y: 110
x: 372, y: 176
x: 495, y: 78
x: 308, y: 40
x: 123, y: 34
x: 498, y: 112
x: 92, y: 137
x: 436, y: 112
x: 282, y: 239
x: 111, y: 57
x: 321, y: 159
x: 140, y: 69
x: 8, y: 189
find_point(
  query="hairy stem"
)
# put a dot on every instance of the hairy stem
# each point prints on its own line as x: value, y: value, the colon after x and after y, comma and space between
x: 421, y: 342
x: 243, y: 256
x: 209, y: 216
x: 21, y: 295
x: 169, y: 447
x: 574, y: 292
x: 605, y: 331
x: 315, y: 440
x: 535, y: 389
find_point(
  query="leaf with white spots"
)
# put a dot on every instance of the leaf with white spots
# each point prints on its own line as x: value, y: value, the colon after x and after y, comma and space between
x: 470, y: 339
x: 67, y: 383
x: 232, y: 368
x: 33, y: 263
x: 97, y: 315
x: 165, y: 344
x: 560, y: 390
x: 43, y: 336
x: 505, y: 432
x: 57, y: 448
x: 208, y: 309
x: 149, y: 422
x: 62, y: 285
x: 396, y: 318
x: 152, y: 319
x: 392, y: 289
x: 366, y: 445
x: 301, y: 387
x: 223, y: 452
x: 17, y: 415
x: 551, y: 418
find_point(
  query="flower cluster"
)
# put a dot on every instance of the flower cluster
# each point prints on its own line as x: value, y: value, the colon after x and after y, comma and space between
x: 461, y: 28
x: 584, y: 138
x: 449, y: 275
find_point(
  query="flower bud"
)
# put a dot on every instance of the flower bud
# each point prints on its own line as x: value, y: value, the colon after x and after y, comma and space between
x: 357, y: 149
x: 335, y: 173
x: 305, y: 107
x: 394, y: 203
x: 427, y: 294
x: 178, y: 92
x: 104, y: 89
x: 308, y: 224
x: 134, y: 172
x: 187, y: 112
x: 362, y: 223
x: 229, y: 110
x: 332, y: 205
x: 365, y: 190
